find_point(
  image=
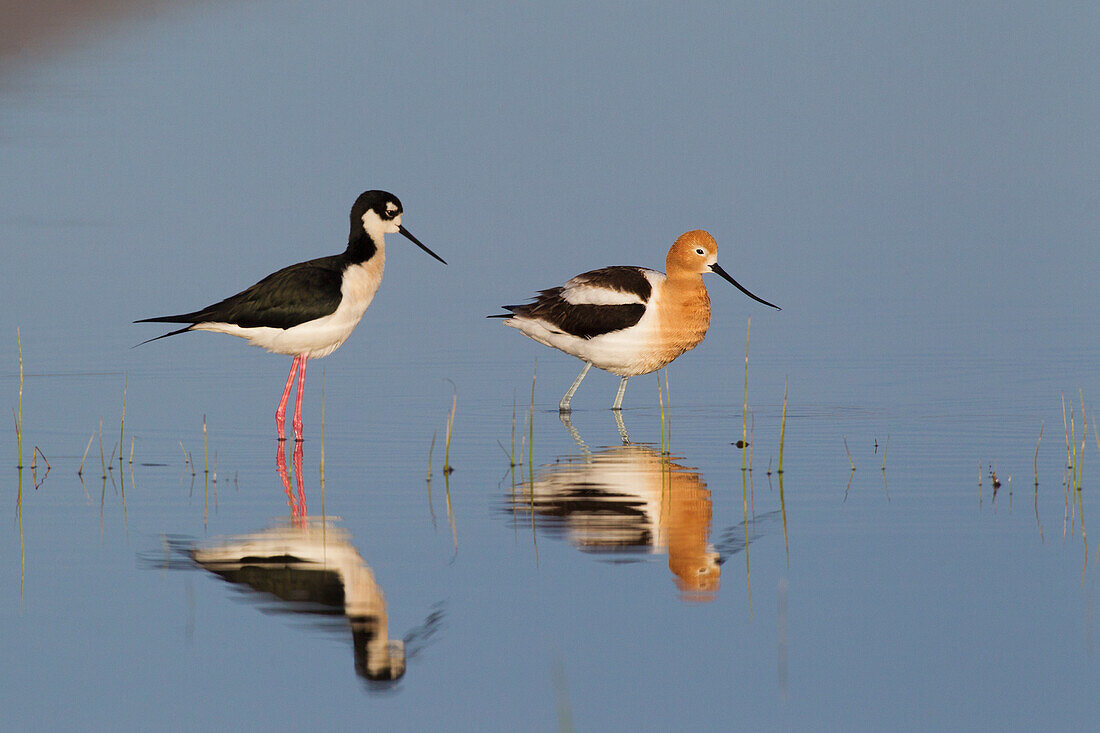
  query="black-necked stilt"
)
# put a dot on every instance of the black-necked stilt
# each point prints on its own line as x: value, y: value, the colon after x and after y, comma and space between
x: 627, y: 320
x: 307, y: 310
x: 313, y: 562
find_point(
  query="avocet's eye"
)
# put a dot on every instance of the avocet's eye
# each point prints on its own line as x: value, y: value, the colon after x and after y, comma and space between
x: 699, y: 251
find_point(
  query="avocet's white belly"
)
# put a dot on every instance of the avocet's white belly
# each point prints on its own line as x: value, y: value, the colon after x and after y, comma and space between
x: 321, y: 336
x: 621, y: 352
x: 625, y: 352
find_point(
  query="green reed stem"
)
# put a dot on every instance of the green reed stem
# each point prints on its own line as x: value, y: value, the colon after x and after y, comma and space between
x: 745, y: 403
x: 450, y: 425
x: 783, y: 427
x: 431, y: 448
x: 1036, y: 461
x: 19, y: 409
x: 531, y: 426
x: 661, y: 402
x: 102, y: 460
x: 122, y: 423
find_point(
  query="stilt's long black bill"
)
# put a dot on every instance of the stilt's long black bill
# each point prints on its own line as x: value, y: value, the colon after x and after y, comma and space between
x: 715, y: 268
x: 420, y: 244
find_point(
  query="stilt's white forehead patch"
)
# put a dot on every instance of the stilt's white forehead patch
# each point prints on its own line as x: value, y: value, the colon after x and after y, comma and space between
x: 391, y: 207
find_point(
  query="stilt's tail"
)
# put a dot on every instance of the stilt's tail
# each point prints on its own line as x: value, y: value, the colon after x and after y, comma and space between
x: 163, y: 335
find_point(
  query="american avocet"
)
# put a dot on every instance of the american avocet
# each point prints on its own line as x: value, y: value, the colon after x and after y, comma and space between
x: 628, y: 320
x: 307, y: 310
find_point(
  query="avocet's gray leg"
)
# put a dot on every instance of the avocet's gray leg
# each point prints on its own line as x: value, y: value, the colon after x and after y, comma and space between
x: 563, y: 406
x: 619, y: 396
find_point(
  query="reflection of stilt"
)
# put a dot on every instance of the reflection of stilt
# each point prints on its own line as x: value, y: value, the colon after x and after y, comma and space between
x: 297, y: 503
x: 309, y: 567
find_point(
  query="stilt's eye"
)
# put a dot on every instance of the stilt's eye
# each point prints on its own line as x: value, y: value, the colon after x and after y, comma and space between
x: 699, y: 251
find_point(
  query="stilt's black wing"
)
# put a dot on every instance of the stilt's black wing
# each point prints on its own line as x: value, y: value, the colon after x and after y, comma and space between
x: 289, y: 297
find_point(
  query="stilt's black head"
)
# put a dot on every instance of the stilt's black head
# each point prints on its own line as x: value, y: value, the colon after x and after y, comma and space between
x: 375, y: 214
x: 384, y: 204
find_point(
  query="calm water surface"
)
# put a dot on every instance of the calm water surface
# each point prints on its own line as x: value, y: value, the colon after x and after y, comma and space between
x: 918, y: 192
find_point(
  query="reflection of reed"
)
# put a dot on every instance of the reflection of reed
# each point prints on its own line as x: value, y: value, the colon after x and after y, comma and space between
x: 628, y: 499
x: 311, y: 567
x: 22, y: 544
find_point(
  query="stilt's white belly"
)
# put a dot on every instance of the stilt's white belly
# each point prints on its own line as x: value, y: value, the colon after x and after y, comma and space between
x: 321, y: 336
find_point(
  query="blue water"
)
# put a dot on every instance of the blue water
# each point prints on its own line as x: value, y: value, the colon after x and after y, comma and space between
x: 915, y: 187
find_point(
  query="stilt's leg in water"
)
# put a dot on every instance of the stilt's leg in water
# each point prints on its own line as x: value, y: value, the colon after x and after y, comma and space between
x: 298, y: 400
x: 619, y: 396
x: 280, y: 414
x: 563, y: 406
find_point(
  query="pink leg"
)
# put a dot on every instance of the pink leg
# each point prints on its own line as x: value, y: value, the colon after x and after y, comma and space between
x: 298, y: 481
x: 297, y: 504
x: 280, y: 468
x: 280, y: 414
x: 298, y: 400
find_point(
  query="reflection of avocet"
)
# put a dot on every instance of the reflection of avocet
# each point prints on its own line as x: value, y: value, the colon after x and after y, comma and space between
x: 629, y: 499
x: 311, y: 567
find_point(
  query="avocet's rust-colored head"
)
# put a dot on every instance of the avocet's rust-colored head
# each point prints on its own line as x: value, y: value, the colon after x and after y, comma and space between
x: 695, y: 253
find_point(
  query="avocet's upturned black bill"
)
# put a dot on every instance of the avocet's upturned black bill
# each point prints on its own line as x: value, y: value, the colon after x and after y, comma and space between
x: 307, y: 310
x: 717, y: 269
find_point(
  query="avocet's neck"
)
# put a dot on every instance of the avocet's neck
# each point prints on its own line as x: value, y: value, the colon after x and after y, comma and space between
x: 683, y: 315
